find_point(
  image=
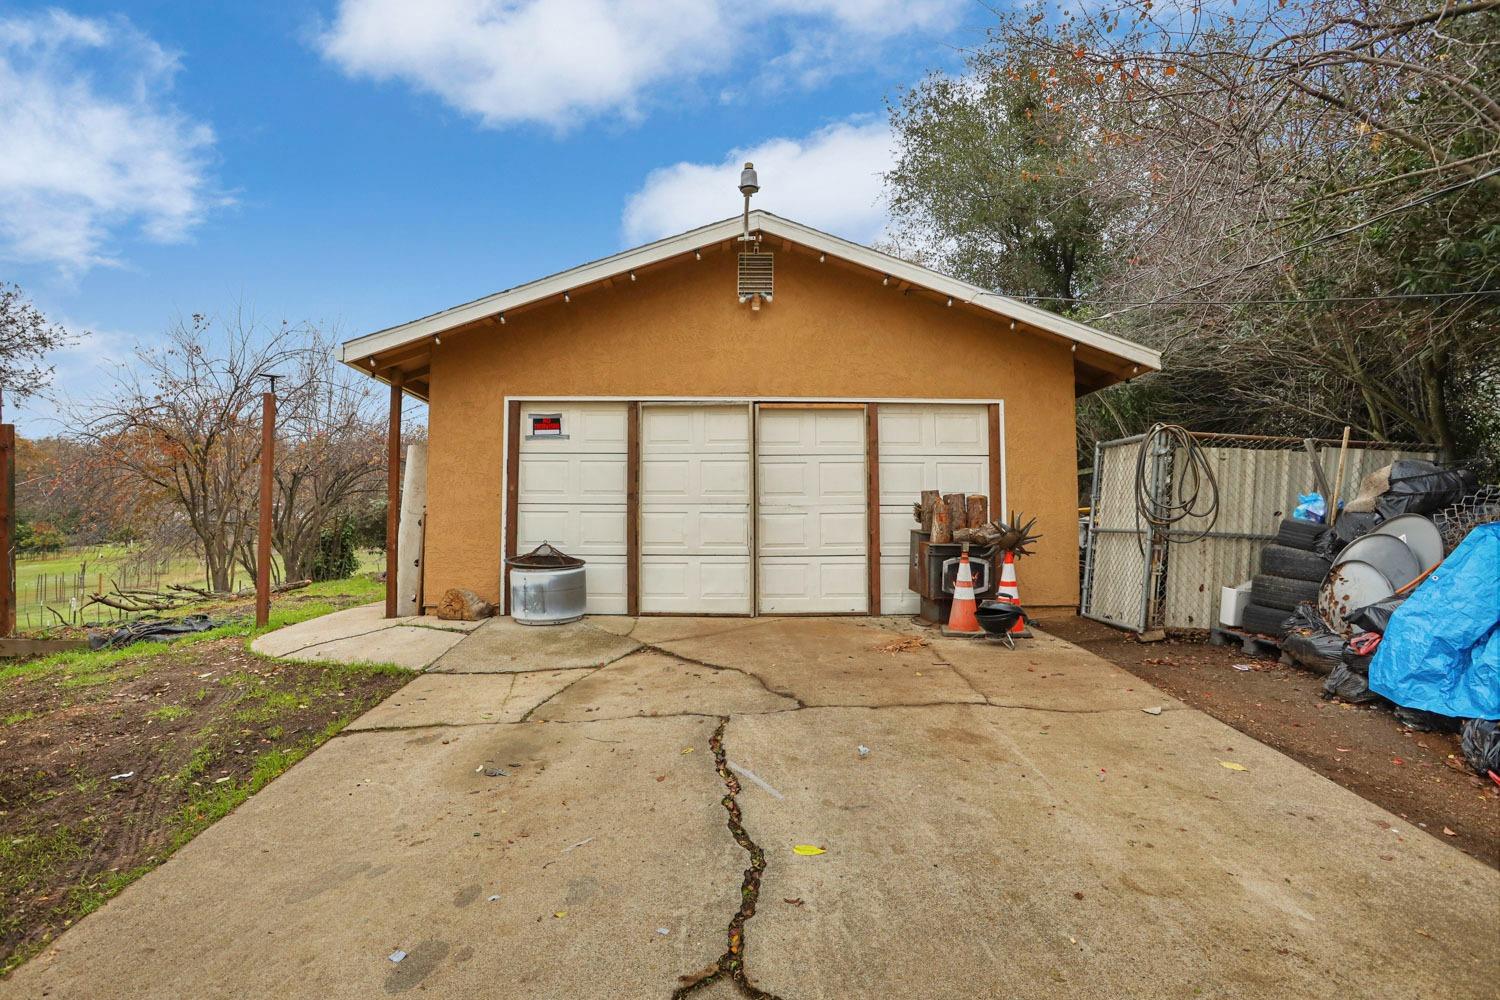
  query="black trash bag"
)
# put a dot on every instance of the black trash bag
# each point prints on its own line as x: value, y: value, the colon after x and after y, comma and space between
x: 1344, y: 683
x: 1376, y: 617
x: 1420, y: 487
x: 1426, y: 722
x: 1317, y: 649
x: 1307, y: 616
x: 1481, y: 742
x: 151, y: 630
x: 1350, y: 525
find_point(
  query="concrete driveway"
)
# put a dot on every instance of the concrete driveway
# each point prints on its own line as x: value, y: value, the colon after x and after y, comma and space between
x: 543, y: 814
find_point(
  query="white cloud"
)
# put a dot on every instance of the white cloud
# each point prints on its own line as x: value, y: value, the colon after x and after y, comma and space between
x: 556, y: 62
x: 830, y: 179
x: 91, y: 144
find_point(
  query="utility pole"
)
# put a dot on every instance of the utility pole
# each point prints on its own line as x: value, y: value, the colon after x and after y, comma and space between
x: 267, y: 489
x: 7, y: 524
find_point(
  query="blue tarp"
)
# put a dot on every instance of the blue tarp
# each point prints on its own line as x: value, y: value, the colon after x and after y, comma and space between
x: 1441, y: 650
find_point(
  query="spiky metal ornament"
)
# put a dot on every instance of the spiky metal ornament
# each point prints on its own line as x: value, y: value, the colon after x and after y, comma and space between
x: 1009, y: 535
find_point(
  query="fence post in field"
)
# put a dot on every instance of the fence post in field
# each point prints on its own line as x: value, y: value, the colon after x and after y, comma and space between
x: 267, y: 484
x: 7, y: 529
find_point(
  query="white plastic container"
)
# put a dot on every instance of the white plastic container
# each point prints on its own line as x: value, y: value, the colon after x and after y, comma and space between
x: 1232, y: 601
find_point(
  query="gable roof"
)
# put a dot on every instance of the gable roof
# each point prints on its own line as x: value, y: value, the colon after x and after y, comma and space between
x: 1110, y: 358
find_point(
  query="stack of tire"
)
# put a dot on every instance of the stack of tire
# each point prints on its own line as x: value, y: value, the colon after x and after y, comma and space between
x: 1290, y: 573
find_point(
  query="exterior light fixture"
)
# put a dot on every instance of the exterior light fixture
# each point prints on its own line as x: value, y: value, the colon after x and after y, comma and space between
x: 632, y: 275
x: 567, y: 297
x: 437, y: 341
x: 822, y: 257
x: 886, y: 280
x: 502, y: 319
x: 950, y: 302
x: 697, y: 255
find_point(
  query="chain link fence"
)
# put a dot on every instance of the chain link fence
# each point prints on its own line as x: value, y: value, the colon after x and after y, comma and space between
x: 1172, y: 580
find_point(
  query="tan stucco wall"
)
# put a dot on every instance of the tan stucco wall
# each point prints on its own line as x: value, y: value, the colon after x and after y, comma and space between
x: 679, y: 331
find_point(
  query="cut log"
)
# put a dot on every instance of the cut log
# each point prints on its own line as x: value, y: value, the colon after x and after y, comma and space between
x: 942, y: 534
x: 930, y: 501
x: 460, y: 605
x: 958, y: 510
x: 979, y: 510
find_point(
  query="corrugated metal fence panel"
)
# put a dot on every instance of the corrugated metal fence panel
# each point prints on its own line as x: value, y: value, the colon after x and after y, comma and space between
x: 1256, y: 490
x: 1119, y: 557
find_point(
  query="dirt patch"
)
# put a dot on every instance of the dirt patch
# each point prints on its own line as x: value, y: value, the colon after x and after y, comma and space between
x: 1420, y: 777
x: 112, y: 761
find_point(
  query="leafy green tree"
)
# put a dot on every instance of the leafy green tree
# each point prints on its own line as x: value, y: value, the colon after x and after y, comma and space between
x: 996, y: 185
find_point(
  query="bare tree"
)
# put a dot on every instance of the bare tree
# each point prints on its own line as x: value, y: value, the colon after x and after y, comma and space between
x: 26, y: 335
x: 180, y: 428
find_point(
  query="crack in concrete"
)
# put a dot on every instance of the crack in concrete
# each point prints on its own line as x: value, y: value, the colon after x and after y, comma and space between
x: 694, y: 661
x: 731, y: 964
x: 960, y: 674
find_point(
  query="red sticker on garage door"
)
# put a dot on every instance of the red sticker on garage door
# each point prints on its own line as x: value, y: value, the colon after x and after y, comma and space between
x: 546, y: 425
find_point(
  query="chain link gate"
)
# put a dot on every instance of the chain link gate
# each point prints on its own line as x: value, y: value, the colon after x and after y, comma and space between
x: 1142, y: 582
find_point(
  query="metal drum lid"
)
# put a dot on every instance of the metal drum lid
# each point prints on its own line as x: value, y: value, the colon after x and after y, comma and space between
x: 1386, y: 553
x: 1420, y: 535
x: 1350, y: 586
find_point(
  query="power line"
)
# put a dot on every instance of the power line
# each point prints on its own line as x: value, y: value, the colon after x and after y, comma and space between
x: 1395, y: 296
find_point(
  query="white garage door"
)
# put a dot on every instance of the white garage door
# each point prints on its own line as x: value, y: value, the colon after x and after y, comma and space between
x: 923, y: 447
x: 810, y: 525
x: 572, y: 492
x: 695, y: 509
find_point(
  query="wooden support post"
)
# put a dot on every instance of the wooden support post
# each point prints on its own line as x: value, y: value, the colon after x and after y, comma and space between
x: 996, y: 511
x: 267, y: 487
x: 7, y: 529
x: 512, y: 496
x: 872, y: 504
x: 633, y: 509
x: 1338, y: 482
x: 393, y: 492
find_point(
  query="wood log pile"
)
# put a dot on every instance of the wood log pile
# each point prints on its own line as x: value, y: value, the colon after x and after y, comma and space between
x: 460, y: 605
x: 955, y: 517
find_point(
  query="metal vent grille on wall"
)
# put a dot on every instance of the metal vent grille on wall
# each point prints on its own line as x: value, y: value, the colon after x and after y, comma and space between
x: 756, y: 275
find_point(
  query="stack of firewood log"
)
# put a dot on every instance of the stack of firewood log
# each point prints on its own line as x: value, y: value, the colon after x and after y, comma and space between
x: 954, y: 517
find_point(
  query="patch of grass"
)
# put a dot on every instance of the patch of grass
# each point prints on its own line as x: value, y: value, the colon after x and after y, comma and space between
x: 168, y: 713
x: 16, y: 718
x: 215, y: 802
x: 31, y: 858
x: 86, y: 897
x: 203, y: 758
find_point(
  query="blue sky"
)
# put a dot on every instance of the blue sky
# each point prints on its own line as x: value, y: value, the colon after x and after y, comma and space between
x: 364, y: 162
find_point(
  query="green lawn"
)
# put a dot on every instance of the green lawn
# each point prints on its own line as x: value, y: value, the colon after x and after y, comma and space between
x: 58, y: 576
x: 116, y: 758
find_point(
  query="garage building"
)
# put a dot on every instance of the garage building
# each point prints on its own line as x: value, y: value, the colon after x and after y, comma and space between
x: 723, y: 426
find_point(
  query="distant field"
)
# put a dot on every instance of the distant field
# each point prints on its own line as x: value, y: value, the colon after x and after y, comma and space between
x: 55, y: 581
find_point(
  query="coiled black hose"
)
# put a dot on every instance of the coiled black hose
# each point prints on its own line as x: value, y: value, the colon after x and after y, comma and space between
x: 1191, y: 482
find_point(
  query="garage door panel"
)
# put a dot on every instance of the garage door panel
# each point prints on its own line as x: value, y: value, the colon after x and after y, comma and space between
x: 690, y: 479
x: 605, y: 578
x: 784, y: 431
x: 695, y: 430
x: 811, y: 532
x: 895, y: 597
x: 690, y: 530
x: 903, y: 478
x: 586, y: 427
x: 896, y: 526
x: 580, y: 531
x: 928, y: 429
x: 572, y: 478
x: 695, y: 584
x: 792, y: 585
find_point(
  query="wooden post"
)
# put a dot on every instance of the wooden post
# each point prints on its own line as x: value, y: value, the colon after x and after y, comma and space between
x: 7, y: 529
x: 872, y: 506
x: 1338, y: 482
x: 633, y: 509
x: 392, y: 491
x: 267, y: 487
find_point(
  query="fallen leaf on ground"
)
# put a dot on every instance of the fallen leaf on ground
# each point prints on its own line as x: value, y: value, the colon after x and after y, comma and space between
x: 904, y: 644
x: 687, y: 750
x: 807, y: 850
x: 1231, y: 765
x: 560, y: 914
x: 1397, y: 761
x: 794, y: 902
x: 1448, y: 832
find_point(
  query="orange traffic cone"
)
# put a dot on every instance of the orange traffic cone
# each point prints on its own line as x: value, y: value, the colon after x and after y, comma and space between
x: 961, y: 619
x: 1009, y: 593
